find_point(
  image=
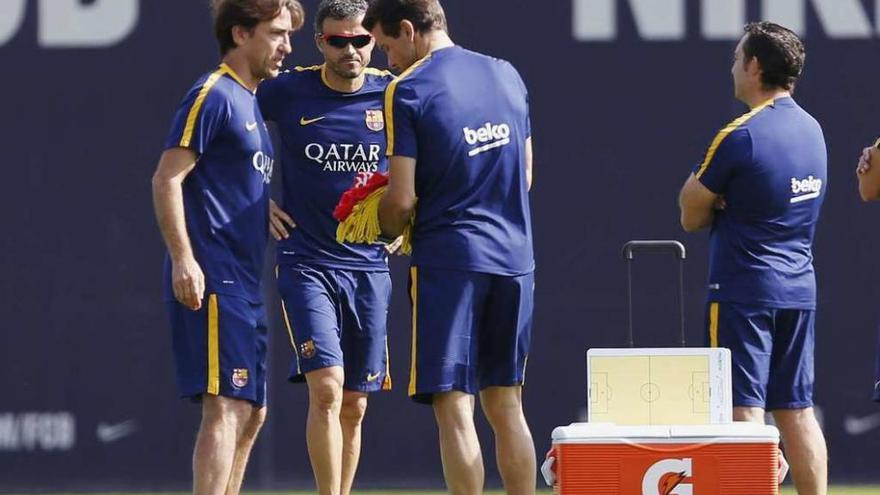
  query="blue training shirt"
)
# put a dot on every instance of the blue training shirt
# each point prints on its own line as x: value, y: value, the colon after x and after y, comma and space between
x: 330, y: 141
x: 771, y: 167
x: 226, y: 196
x: 464, y: 117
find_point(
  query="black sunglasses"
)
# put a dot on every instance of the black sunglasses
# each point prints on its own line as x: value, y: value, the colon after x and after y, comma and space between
x: 341, y: 41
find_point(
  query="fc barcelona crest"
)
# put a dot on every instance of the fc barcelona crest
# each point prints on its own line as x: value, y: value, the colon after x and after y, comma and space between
x: 375, y: 120
x: 239, y: 377
x: 307, y: 349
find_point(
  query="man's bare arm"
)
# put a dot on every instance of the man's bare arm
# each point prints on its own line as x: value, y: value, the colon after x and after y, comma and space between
x: 697, y: 205
x: 188, y: 281
x: 399, y: 201
x: 868, y: 172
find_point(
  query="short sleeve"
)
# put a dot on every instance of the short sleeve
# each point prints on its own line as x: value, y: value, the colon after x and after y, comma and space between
x: 201, y: 116
x: 269, y: 97
x: 731, y: 150
x: 401, y: 112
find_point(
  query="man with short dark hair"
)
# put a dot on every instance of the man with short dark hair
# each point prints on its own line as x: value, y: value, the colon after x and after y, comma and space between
x: 335, y: 296
x: 210, y: 192
x: 760, y: 187
x: 459, y: 140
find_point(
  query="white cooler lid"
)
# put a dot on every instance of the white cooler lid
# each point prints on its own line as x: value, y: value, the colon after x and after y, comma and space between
x: 738, y: 432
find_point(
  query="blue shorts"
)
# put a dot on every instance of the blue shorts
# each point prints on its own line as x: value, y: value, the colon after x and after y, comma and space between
x: 771, y: 352
x: 338, y: 318
x: 221, y: 348
x: 470, y: 331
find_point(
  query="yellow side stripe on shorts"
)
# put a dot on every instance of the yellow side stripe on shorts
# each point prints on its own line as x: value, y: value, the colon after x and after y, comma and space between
x: 290, y: 334
x: 289, y: 329
x: 713, y: 324
x: 386, y: 385
x: 213, y: 346
x: 414, y: 280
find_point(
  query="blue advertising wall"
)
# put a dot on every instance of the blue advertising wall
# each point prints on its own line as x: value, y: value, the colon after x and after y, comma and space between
x: 625, y: 97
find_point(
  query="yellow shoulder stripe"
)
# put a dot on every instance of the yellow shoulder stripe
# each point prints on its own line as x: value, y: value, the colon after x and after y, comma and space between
x: 311, y: 67
x: 719, y: 138
x: 377, y: 72
x: 197, y: 106
x: 389, y: 104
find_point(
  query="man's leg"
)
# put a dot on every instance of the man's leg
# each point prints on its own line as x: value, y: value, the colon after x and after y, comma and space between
x: 514, y: 447
x: 323, y: 429
x: 354, y: 406
x: 246, y: 439
x: 750, y: 414
x: 459, y: 445
x: 215, y: 448
x: 805, y: 449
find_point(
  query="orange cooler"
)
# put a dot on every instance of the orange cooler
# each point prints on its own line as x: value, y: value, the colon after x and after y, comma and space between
x: 725, y: 459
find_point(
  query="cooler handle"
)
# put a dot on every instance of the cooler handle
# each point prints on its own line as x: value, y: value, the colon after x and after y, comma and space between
x: 629, y: 250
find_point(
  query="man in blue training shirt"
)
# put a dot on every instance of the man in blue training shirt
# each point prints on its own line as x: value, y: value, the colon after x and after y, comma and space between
x: 335, y: 297
x: 457, y: 124
x: 210, y: 192
x: 760, y: 188
x: 868, y: 173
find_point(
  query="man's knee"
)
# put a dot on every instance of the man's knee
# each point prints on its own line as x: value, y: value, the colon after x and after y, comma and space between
x: 502, y: 406
x: 256, y: 420
x: 790, y: 419
x: 354, y: 407
x: 325, y: 389
x: 454, y: 409
x: 219, y: 411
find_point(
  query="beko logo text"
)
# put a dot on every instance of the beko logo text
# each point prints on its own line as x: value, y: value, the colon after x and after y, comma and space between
x: 73, y: 23
x: 489, y: 136
x: 804, y: 189
x: 666, y: 20
x: 37, y: 431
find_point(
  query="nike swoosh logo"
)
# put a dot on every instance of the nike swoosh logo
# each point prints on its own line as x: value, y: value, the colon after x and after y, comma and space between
x: 859, y: 426
x: 304, y: 121
x: 251, y: 126
x: 108, y: 433
x: 373, y: 378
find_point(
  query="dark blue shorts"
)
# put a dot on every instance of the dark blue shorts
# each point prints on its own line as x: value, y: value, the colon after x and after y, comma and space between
x: 771, y: 352
x: 338, y: 318
x: 221, y: 348
x: 470, y: 331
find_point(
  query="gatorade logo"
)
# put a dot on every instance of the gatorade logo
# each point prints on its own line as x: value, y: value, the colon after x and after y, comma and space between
x: 667, y: 477
x: 489, y: 136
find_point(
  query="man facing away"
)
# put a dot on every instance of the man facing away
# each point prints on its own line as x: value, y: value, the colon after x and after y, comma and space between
x: 760, y: 188
x: 458, y: 136
x: 335, y: 296
x: 210, y: 192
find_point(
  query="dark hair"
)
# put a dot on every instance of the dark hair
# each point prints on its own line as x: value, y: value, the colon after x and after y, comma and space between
x: 779, y: 51
x: 338, y: 10
x: 249, y: 13
x: 425, y: 15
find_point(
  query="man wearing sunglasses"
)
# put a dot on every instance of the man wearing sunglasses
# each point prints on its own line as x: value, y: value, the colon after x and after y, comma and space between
x: 459, y: 140
x: 335, y: 297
